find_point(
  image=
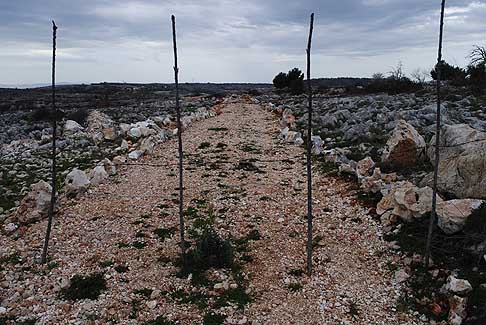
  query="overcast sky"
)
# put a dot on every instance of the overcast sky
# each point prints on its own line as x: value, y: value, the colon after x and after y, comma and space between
x: 228, y: 40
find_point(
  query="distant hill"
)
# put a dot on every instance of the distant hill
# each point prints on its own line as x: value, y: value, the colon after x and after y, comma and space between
x: 200, y: 87
x: 29, y: 86
x: 186, y: 87
x: 340, y: 82
x: 102, y: 95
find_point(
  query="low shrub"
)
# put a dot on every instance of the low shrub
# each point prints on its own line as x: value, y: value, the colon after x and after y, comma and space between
x: 85, y: 287
x: 41, y: 114
x: 454, y: 74
x: 79, y: 115
x: 477, y: 78
x: 210, y: 251
x: 393, y: 86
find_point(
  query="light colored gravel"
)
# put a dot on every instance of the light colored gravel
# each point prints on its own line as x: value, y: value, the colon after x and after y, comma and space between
x: 350, y: 261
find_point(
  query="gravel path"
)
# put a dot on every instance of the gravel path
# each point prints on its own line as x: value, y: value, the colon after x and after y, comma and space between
x: 252, y: 181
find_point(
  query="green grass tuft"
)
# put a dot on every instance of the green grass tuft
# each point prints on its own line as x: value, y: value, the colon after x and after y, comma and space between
x: 211, y: 318
x: 204, y: 145
x: 106, y: 263
x: 139, y: 244
x: 294, y: 286
x: 165, y: 233
x: 121, y: 268
x: 146, y: 292
x: 296, y: 272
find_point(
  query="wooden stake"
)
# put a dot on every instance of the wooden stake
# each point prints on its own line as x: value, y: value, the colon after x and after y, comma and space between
x: 179, y: 136
x: 309, y: 152
x: 54, y: 132
x: 433, y: 213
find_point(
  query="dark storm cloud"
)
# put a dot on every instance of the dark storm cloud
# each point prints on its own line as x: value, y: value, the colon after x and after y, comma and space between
x: 125, y: 39
x: 370, y: 27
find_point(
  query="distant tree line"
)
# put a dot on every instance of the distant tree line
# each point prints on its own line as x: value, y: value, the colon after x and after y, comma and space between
x: 473, y: 76
x: 396, y: 82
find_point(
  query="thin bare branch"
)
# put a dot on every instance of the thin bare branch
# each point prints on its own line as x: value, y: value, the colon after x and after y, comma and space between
x: 478, y: 55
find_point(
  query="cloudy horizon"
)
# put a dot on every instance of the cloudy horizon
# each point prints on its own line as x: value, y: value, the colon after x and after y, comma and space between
x: 229, y: 41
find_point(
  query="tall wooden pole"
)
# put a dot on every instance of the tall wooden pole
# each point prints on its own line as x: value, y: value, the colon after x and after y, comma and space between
x: 179, y: 136
x: 54, y: 134
x: 433, y: 213
x: 309, y: 152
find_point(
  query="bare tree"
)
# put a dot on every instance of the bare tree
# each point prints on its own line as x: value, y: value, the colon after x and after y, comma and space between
x: 309, y: 151
x: 378, y: 76
x: 54, y: 131
x: 419, y: 75
x: 179, y: 137
x: 478, y: 55
x: 433, y: 213
x: 397, y: 72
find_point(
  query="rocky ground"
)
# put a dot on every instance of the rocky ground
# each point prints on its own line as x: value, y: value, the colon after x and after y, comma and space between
x: 120, y: 240
x: 25, y: 126
x: 386, y: 144
x: 93, y: 126
x: 365, y: 121
x: 372, y: 161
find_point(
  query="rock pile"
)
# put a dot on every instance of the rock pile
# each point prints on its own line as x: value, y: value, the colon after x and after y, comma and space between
x: 83, y: 157
x: 457, y: 289
x: 352, y: 120
x: 393, y: 130
x: 100, y: 127
x: 288, y: 133
x: 462, y: 169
